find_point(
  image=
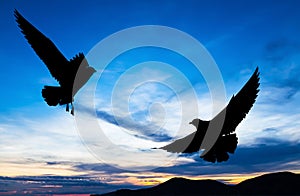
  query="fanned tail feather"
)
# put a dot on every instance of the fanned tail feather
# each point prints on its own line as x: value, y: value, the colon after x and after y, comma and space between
x: 224, y: 145
x: 52, y: 95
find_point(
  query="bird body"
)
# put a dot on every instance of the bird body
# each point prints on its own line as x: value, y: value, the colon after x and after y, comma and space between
x: 202, y: 127
x: 63, y: 70
x: 226, y: 143
x: 236, y: 110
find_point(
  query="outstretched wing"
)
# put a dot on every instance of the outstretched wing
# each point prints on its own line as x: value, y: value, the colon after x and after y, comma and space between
x: 239, y: 105
x: 182, y: 144
x: 228, y: 119
x: 44, y: 48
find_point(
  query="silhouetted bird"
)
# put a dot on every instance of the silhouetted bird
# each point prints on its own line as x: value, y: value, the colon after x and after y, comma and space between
x: 63, y: 70
x: 235, y: 112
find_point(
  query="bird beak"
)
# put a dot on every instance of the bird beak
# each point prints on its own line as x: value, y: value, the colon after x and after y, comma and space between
x: 190, y: 122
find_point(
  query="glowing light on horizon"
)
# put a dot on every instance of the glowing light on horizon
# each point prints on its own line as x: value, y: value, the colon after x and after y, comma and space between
x: 36, y: 169
x: 153, y: 179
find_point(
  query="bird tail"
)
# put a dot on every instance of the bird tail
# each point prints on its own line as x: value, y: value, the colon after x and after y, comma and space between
x: 219, y: 152
x: 52, y: 95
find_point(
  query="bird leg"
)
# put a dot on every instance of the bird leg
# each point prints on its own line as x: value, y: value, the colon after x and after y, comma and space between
x: 67, y: 107
x: 72, y: 110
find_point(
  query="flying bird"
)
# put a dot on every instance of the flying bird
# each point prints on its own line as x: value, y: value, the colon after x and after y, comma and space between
x: 63, y: 70
x: 236, y: 110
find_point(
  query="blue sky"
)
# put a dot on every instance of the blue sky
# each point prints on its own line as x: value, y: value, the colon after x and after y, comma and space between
x: 38, y: 140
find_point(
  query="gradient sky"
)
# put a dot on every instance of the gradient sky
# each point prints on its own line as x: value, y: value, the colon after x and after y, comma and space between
x: 41, y: 141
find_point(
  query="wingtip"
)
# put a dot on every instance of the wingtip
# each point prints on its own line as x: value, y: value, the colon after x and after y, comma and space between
x: 256, y: 70
x: 256, y: 73
x: 17, y: 15
x: 16, y: 12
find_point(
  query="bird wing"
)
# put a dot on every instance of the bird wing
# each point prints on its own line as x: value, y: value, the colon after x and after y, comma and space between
x: 43, y: 47
x: 180, y: 145
x: 76, y: 61
x: 239, y: 105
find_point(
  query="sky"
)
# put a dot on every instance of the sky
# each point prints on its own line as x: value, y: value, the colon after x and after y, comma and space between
x: 144, y: 97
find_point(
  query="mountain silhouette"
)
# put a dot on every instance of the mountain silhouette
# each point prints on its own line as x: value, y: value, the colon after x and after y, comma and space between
x: 225, y: 122
x: 284, y: 183
x: 63, y: 70
x: 281, y: 183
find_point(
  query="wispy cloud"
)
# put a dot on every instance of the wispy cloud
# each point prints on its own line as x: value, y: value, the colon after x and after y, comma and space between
x: 247, y: 161
x: 146, y: 131
x: 37, y: 185
x: 42, y: 139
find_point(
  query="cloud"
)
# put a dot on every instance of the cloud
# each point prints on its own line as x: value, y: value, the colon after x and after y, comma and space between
x: 48, y: 139
x: 263, y: 117
x: 37, y: 185
x: 278, y: 156
x: 144, y: 131
x: 100, y: 178
x: 280, y: 67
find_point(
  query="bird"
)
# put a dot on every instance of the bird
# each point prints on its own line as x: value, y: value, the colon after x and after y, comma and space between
x: 231, y: 116
x: 61, y: 69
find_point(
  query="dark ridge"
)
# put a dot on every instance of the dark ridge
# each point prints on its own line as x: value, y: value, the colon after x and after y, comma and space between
x: 281, y: 183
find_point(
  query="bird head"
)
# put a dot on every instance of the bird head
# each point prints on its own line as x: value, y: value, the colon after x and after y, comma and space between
x: 91, y: 70
x: 195, y: 122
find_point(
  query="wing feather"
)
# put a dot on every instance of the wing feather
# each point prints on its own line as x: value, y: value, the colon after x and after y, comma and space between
x: 180, y: 145
x: 239, y: 105
x: 43, y: 47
